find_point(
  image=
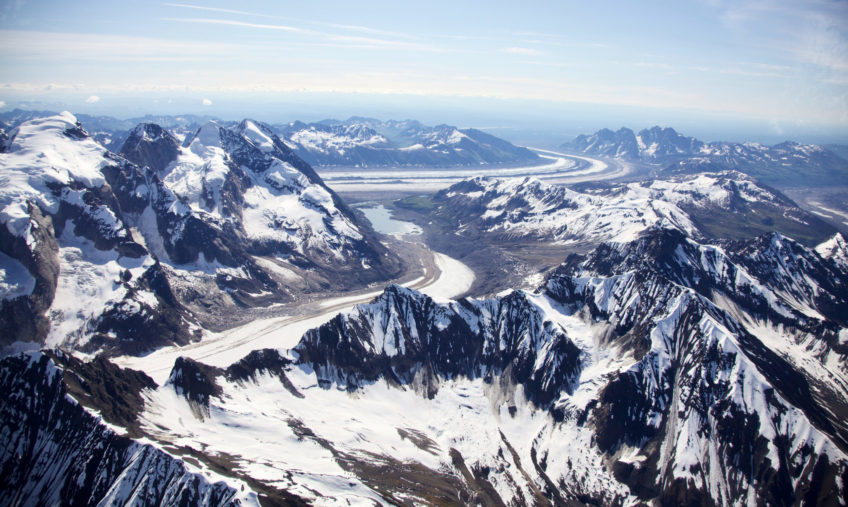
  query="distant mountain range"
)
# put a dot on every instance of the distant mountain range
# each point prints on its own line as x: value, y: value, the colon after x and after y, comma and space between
x: 786, y: 164
x: 727, y: 205
x: 366, y: 142
x: 356, y: 142
x: 111, y: 132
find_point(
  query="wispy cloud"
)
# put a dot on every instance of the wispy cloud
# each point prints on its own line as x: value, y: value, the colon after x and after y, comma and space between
x: 244, y: 24
x: 347, y: 27
x: 765, y: 66
x: 522, y: 51
x: 540, y: 35
x: 369, y: 30
x: 653, y: 65
x: 811, y: 33
x: 740, y: 69
x: 563, y: 90
x: 319, y: 36
x: 216, y: 9
x: 750, y: 73
x: 92, y: 99
x: 546, y: 63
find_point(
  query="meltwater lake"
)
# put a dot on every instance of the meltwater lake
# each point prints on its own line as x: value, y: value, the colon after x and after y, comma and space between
x: 382, y: 221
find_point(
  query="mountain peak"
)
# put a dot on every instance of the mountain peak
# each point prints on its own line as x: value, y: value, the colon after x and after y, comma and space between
x: 195, y: 381
x: 836, y: 249
x: 366, y: 142
x: 259, y: 134
x: 207, y: 136
x: 150, y: 145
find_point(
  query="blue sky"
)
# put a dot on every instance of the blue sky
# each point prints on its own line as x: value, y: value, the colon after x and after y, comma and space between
x: 780, y: 65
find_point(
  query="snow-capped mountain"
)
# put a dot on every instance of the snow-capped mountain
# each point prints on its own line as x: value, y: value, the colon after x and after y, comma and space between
x: 112, y: 132
x: 363, y: 142
x: 244, y: 182
x: 700, y: 205
x: 782, y: 164
x: 101, y: 253
x: 74, y: 272
x: 367, y: 142
x: 54, y: 451
x: 835, y: 249
x: 659, y: 370
x: 616, y: 382
x: 675, y: 355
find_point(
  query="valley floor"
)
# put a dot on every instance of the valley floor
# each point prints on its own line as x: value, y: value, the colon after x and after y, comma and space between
x: 437, y: 275
x: 829, y: 203
x: 562, y: 168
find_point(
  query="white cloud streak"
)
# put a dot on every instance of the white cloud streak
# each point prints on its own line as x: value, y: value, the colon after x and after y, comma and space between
x: 522, y: 51
x: 352, y: 40
x: 216, y: 9
x: 352, y: 28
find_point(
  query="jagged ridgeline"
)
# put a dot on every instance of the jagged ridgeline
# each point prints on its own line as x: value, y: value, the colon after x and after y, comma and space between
x: 355, y: 142
x: 660, y: 370
x: 785, y: 164
x: 134, y: 251
x: 366, y: 142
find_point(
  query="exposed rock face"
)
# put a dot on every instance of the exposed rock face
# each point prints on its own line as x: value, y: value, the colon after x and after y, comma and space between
x: 82, y: 279
x: 247, y: 194
x: 411, y: 340
x: 55, y: 452
x: 660, y: 370
x: 714, y: 205
x: 150, y: 145
x: 105, y: 254
x: 708, y: 388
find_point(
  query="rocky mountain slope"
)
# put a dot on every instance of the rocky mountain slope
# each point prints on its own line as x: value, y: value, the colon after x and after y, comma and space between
x: 54, y: 451
x: 366, y: 142
x: 685, y: 349
x: 101, y: 253
x: 657, y: 370
x: 710, y: 205
x: 259, y: 198
x: 112, y: 132
x: 363, y: 142
x: 787, y: 163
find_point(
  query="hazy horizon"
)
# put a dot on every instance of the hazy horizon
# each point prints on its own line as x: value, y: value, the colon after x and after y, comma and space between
x: 713, y: 69
x: 516, y: 121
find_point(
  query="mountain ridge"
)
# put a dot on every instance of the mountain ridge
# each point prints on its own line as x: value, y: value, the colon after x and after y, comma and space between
x: 661, y: 369
x: 684, y: 340
x: 668, y: 385
x: 366, y: 142
x: 104, y: 250
x: 698, y: 204
x: 786, y: 163
x: 358, y: 141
